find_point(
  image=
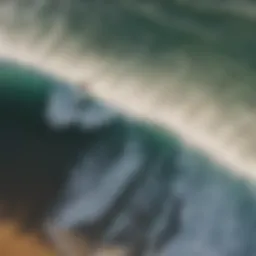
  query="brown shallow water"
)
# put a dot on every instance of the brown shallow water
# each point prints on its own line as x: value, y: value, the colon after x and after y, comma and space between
x: 14, y: 243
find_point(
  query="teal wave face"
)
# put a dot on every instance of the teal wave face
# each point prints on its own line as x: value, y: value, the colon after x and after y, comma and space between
x: 23, y: 89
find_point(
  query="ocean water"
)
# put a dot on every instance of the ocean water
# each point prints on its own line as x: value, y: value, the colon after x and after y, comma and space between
x: 170, y: 164
x: 119, y: 180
